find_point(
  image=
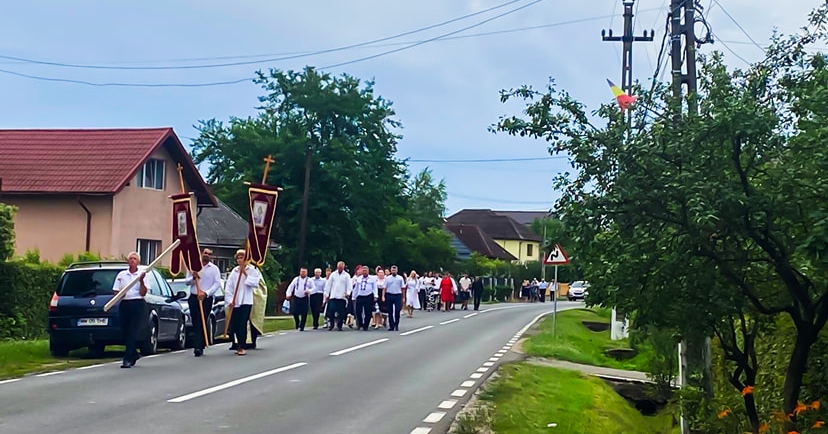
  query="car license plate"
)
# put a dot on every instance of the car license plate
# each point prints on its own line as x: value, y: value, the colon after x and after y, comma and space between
x: 93, y: 321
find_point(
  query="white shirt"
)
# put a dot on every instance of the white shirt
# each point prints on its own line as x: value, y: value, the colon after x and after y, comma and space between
x: 338, y: 286
x: 123, y: 279
x: 394, y: 284
x: 300, y: 287
x: 413, y: 283
x: 245, y: 295
x: 318, y: 285
x: 465, y: 283
x: 366, y: 285
x: 209, y: 279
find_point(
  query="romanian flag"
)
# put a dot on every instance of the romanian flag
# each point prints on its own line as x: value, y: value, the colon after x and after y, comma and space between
x: 624, y: 100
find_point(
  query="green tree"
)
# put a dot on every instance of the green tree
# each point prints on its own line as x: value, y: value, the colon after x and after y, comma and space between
x: 409, y: 247
x: 714, y: 223
x: 343, y: 132
x: 426, y: 200
x: 7, y: 213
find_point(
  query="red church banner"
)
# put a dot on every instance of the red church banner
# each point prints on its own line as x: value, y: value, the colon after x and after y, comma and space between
x: 183, y: 228
x: 262, y: 210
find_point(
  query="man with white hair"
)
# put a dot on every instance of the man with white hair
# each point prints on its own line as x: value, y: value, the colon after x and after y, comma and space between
x: 132, y: 309
x: 317, y: 296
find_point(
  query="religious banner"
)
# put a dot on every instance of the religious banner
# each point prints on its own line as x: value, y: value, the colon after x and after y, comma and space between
x: 184, y: 229
x: 262, y: 210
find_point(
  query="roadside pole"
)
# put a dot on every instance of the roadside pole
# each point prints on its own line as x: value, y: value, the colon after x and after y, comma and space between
x: 556, y: 257
x: 555, y: 306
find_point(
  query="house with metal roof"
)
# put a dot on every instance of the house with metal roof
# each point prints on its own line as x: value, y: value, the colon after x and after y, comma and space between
x: 514, y: 238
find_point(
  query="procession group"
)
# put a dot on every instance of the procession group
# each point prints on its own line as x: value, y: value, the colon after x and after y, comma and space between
x: 363, y: 300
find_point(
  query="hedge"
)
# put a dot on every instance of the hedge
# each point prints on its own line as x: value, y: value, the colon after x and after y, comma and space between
x: 25, y: 292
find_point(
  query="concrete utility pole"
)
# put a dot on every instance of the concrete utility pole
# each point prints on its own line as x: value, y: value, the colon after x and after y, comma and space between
x: 627, y: 39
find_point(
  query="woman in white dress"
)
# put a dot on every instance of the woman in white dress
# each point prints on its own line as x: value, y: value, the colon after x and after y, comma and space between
x: 412, y: 300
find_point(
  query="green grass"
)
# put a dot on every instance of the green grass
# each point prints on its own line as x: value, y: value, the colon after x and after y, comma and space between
x: 283, y: 323
x: 526, y: 398
x: 18, y: 358
x: 578, y: 344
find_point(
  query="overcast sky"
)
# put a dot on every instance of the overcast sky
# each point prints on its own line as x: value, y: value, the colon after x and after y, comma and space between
x: 445, y: 92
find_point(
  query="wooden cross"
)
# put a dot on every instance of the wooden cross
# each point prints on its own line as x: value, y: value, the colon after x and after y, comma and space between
x: 267, y: 161
x: 181, y: 178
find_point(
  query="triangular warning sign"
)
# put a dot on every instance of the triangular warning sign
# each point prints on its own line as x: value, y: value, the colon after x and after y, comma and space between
x: 556, y: 257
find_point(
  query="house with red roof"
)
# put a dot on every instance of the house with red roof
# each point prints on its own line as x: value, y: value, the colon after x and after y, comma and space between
x: 104, y: 191
x: 496, y: 235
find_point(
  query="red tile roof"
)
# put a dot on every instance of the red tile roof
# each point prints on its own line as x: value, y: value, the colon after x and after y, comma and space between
x: 86, y: 161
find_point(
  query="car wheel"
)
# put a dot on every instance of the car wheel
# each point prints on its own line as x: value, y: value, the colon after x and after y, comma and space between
x: 58, y: 350
x: 181, y: 339
x: 150, y: 346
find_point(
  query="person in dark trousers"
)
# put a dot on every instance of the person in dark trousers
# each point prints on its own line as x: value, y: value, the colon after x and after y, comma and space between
x: 239, y: 295
x: 365, y: 295
x: 132, y: 309
x: 209, y: 281
x: 477, y: 291
x: 337, y: 290
x: 393, y: 296
x: 317, y: 295
x: 298, y: 292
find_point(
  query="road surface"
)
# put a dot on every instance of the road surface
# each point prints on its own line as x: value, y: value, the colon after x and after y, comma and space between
x: 412, y: 381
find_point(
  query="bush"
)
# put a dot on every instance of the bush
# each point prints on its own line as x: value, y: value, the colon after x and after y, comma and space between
x: 6, y: 231
x: 25, y: 291
x: 502, y: 293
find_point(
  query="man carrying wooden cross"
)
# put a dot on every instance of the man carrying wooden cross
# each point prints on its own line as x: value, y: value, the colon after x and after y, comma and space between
x: 210, y: 282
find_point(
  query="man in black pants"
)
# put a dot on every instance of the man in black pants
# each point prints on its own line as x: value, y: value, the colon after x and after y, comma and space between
x: 298, y: 293
x: 477, y: 291
x: 393, y: 297
x: 366, y: 294
x: 316, y: 296
x: 132, y: 309
x: 202, y: 285
x: 337, y: 290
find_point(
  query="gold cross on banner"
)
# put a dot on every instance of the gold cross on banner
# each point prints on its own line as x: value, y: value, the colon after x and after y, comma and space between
x: 267, y: 161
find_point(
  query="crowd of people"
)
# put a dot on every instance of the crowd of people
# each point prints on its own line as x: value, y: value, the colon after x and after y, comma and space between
x: 374, y: 299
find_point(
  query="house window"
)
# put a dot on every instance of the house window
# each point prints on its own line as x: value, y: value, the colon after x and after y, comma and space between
x: 152, y: 175
x: 529, y: 250
x: 149, y: 250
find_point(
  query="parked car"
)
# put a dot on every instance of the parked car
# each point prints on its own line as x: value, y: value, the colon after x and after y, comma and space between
x: 77, y: 318
x: 216, y: 318
x: 578, y: 290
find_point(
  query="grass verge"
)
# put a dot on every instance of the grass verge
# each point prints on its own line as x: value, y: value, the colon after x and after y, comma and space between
x: 527, y: 398
x: 282, y: 323
x: 576, y: 343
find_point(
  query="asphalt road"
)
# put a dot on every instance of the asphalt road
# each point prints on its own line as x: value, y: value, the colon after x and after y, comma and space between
x: 310, y: 382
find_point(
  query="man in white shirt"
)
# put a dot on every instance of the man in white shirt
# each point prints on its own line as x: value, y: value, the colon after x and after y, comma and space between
x: 337, y: 290
x: 239, y: 296
x: 465, y: 291
x: 365, y: 295
x: 203, y: 285
x: 393, y: 297
x: 298, y: 292
x: 132, y: 309
x: 317, y: 296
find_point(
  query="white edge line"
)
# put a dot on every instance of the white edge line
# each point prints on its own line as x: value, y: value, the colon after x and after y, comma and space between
x: 420, y: 430
x: 235, y: 383
x: 450, y: 321
x: 434, y: 417
x: 476, y: 375
x: 447, y: 404
x: 416, y: 330
x: 468, y: 383
x: 91, y: 366
x: 12, y: 380
x: 459, y: 393
x: 47, y: 374
x: 358, y: 347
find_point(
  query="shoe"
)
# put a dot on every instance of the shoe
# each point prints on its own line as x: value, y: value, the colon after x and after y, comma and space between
x: 316, y: 327
x: 330, y: 328
x: 339, y: 328
x: 198, y: 353
x: 127, y: 364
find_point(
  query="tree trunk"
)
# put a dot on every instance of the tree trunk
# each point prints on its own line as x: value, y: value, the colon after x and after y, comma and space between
x: 796, y: 369
x: 752, y: 415
x: 303, y: 225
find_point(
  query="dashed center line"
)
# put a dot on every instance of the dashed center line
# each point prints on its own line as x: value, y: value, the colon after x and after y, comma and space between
x: 235, y: 383
x: 470, y: 315
x: 358, y: 347
x: 416, y: 330
x: 450, y: 321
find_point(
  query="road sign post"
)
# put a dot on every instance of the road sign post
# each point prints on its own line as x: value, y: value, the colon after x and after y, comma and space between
x: 556, y: 257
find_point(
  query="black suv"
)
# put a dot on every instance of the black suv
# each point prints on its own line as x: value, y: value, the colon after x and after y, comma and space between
x: 77, y: 318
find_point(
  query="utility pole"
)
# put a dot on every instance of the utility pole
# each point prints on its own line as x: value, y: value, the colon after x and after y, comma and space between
x: 679, y: 29
x: 627, y: 39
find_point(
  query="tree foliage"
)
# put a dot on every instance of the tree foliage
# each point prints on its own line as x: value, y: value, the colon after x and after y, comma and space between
x: 721, y: 214
x: 426, y: 200
x: 7, y: 213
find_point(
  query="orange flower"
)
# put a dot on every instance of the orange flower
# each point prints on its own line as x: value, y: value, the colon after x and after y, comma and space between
x: 818, y: 424
x: 815, y: 405
x: 800, y: 408
x: 748, y: 390
x: 763, y: 428
x: 724, y: 413
x: 793, y: 432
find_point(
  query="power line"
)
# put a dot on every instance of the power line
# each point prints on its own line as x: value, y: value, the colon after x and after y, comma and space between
x: 488, y: 160
x: 253, y: 62
x: 739, y: 26
x: 730, y: 49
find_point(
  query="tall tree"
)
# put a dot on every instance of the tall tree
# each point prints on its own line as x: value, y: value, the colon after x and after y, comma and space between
x: 6, y: 231
x: 426, y: 200
x: 733, y: 196
x: 344, y: 131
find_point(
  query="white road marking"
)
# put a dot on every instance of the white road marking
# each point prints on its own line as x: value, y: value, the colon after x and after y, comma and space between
x: 494, y: 359
x: 358, y: 347
x: 506, y: 347
x: 450, y: 321
x: 420, y: 430
x: 90, y: 366
x: 9, y: 381
x: 282, y: 334
x: 476, y: 375
x: 484, y: 369
x: 500, y: 353
x: 235, y: 383
x: 488, y: 364
x: 467, y: 384
x: 434, y: 417
x: 149, y: 357
x: 470, y: 315
x: 498, y: 308
x: 416, y: 330
x: 447, y: 404
x: 49, y: 374
x: 458, y: 393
